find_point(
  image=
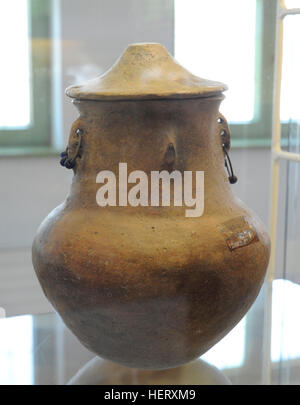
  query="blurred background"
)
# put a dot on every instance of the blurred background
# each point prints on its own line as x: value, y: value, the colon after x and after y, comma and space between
x: 49, y: 45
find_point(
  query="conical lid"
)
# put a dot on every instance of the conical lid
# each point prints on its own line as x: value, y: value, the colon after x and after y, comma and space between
x: 145, y: 71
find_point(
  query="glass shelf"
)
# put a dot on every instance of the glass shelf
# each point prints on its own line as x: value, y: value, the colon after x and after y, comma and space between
x: 39, y: 349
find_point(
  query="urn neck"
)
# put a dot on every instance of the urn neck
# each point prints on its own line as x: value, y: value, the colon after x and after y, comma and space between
x: 182, y: 135
x: 150, y: 135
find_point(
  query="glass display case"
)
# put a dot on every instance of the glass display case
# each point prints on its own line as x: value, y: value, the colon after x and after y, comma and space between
x: 252, y: 46
x: 39, y: 349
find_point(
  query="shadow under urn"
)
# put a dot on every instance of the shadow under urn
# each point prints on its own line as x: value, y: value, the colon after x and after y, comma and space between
x: 147, y: 286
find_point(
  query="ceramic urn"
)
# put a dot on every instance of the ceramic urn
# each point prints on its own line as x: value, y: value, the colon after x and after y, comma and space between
x: 144, y: 284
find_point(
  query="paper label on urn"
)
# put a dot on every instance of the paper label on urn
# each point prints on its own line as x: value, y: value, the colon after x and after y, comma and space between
x: 238, y: 233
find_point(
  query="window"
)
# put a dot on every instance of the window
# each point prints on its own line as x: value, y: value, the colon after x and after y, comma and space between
x: 292, y: 3
x: 24, y: 74
x: 290, y: 69
x: 205, y: 51
x: 234, y: 42
x: 16, y: 71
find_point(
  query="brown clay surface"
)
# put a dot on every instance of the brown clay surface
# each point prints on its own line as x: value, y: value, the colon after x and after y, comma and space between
x: 147, y: 287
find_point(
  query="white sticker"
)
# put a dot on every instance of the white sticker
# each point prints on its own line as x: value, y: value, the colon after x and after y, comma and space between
x: 2, y: 312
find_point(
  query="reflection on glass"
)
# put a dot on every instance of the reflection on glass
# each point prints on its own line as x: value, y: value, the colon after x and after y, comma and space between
x: 229, y: 352
x: 16, y: 351
x: 285, y: 320
x: 291, y: 251
x: 290, y: 88
x: 292, y: 3
x: 15, y: 64
x: 216, y: 39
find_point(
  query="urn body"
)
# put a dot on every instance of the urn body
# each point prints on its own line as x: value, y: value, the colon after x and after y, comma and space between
x: 147, y: 286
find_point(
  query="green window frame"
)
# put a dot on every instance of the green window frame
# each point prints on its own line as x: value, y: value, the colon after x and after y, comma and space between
x: 38, y: 133
x: 258, y: 131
